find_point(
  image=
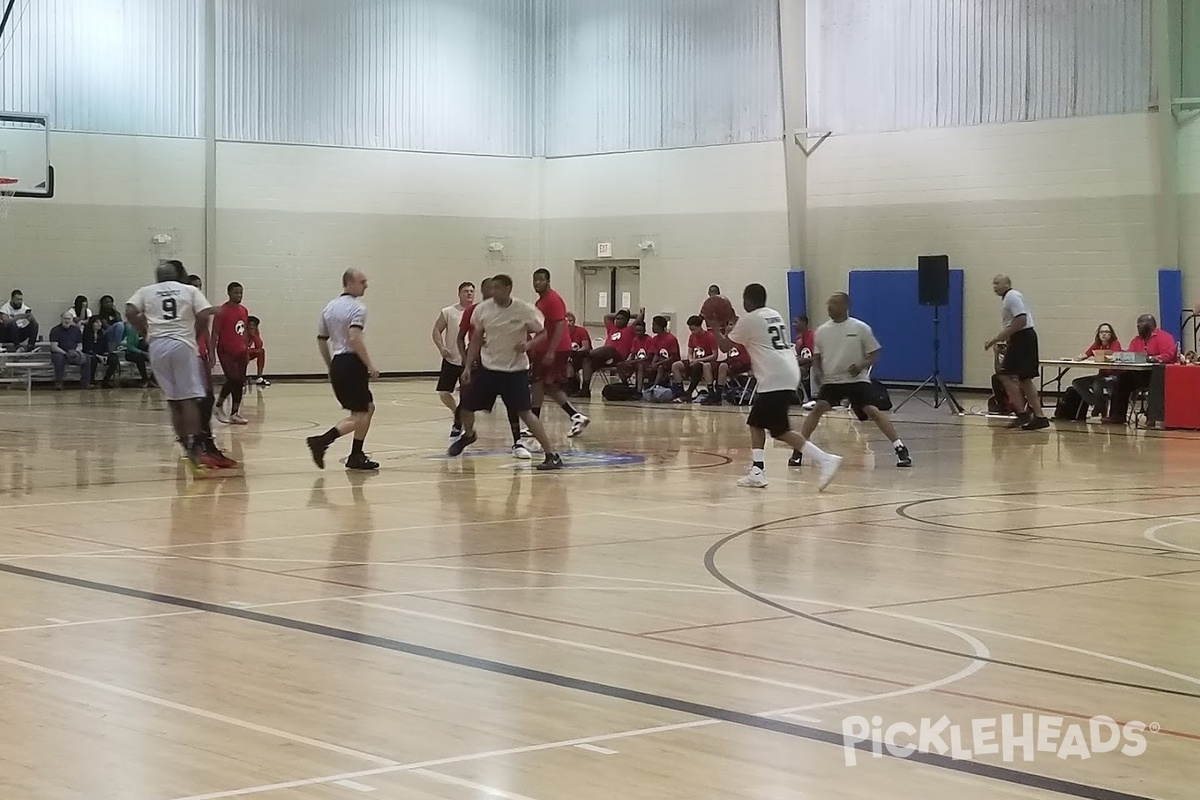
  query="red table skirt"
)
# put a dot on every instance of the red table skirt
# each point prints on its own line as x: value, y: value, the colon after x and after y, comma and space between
x: 1181, y: 397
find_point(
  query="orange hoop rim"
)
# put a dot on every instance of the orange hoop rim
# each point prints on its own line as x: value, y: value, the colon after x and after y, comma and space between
x: 8, y: 181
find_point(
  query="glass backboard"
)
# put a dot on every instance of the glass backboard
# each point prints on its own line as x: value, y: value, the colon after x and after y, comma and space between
x: 25, y: 155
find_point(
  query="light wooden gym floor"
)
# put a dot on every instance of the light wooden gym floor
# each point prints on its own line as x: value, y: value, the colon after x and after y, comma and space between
x: 634, y: 627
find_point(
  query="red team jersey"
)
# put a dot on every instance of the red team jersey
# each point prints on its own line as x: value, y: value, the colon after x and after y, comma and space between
x: 579, y: 337
x: 554, y: 311
x: 620, y: 339
x: 739, y: 359
x: 701, y: 345
x: 642, y: 347
x: 230, y: 324
x: 666, y: 347
x: 806, y: 341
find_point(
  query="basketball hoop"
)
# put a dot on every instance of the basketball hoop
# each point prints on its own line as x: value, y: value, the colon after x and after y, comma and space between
x: 8, y: 190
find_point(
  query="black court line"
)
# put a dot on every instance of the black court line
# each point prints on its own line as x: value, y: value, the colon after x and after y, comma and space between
x: 982, y: 770
x: 710, y: 564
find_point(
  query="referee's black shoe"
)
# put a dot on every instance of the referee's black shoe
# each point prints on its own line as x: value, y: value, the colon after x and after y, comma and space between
x: 361, y: 462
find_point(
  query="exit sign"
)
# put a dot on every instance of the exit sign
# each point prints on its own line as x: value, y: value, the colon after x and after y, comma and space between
x: 604, y: 250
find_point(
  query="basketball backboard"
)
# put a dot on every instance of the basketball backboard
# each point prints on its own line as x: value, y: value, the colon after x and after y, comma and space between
x: 25, y: 154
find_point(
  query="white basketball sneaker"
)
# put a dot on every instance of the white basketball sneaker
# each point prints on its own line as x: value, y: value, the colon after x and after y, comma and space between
x: 521, y: 451
x: 754, y: 479
x: 578, y: 423
x: 827, y: 469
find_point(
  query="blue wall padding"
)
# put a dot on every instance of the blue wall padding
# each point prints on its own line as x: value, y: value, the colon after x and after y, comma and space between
x: 886, y: 299
x: 797, y: 297
x: 1170, y: 301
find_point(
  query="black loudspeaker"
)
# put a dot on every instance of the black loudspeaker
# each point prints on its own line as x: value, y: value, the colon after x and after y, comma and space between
x: 933, y: 280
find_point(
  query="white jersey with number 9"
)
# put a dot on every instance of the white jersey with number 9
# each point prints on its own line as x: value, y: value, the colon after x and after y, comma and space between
x: 170, y: 310
x: 764, y: 336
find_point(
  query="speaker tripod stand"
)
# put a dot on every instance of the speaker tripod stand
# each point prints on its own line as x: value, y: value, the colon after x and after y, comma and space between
x: 941, y: 392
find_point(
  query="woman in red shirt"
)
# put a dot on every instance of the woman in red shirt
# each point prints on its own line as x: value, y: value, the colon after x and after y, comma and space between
x: 1091, y: 387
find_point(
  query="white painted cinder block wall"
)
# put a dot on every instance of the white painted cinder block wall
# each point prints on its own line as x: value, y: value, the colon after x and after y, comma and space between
x: 1188, y: 146
x: 93, y: 238
x: 715, y: 215
x: 1066, y: 207
x: 291, y: 219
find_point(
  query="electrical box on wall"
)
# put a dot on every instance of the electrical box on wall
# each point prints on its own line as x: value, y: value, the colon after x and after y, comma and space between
x: 604, y: 250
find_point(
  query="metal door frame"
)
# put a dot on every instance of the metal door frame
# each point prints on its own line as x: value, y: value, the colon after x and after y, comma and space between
x: 584, y: 265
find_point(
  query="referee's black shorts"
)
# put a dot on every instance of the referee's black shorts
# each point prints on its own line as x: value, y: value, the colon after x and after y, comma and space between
x: 351, y: 382
x: 1021, y: 355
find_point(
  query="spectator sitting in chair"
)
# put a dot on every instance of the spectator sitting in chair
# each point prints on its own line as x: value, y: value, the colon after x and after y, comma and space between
x: 114, y: 325
x: 698, y: 364
x: 255, y: 349
x: 736, y: 364
x: 641, y: 354
x: 66, y: 347
x: 1159, y: 347
x: 95, y: 347
x: 1091, y: 387
x: 137, y: 353
x: 79, y: 310
x: 17, y: 324
x: 615, y: 349
x: 666, y: 351
x: 581, y: 345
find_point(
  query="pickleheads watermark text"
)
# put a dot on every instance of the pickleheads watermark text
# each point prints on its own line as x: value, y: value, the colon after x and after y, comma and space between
x: 1011, y: 737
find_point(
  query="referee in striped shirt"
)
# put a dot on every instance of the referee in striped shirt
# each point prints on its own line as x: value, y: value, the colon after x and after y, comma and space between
x: 342, y: 345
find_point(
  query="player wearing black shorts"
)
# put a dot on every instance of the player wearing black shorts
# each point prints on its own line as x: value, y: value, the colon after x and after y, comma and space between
x: 763, y: 334
x: 1020, y: 365
x: 341, y: 342
x: 445, y: 333
x: 844, y: 350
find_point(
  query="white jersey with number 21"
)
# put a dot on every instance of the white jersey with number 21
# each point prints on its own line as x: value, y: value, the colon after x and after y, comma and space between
x: 170, y: 309
x: 765, y: 338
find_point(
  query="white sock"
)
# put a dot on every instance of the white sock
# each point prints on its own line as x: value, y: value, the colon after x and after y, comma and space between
x: 814, y: 452
x: 897, y: 444
x: 758, y: 456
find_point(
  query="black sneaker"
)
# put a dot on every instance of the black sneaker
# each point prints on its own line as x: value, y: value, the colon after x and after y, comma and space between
x: 797, y: 459
x: 711, y: 399
x: 1022, y: 420
x: 553, y: 461
x: 460, y: 444
x: 1036, y: 424
x: 361, y: 462
x: 903, y: 459
x: 317, y: 446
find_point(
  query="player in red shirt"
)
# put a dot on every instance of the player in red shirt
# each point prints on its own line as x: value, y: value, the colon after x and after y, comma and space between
x: 206, y: 404
x: 737, y: 363
x: 805, y: 343
x: 581, y: 345
x: 255, y: 349
x: 615, y: 348
x: 229, y: 344
x: 666, y: 351
x: 641, y: 355
x: 549, y: 352
x: 697, y: 364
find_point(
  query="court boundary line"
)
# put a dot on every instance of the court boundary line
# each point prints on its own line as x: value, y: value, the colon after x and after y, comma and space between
x: 704, y: 711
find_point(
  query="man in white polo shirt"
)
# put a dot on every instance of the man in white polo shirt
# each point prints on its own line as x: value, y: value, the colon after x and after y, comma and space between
x: 1020, y: 363
x: 500, y: 341
x: 844, y: 350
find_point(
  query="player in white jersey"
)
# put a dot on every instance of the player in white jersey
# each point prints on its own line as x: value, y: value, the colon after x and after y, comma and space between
x: 167, y: 312
x: 763, y: 334
x: 445, y: 331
